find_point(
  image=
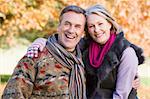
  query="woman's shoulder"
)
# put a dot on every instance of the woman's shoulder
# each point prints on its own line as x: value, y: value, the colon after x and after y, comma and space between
x: 129, y: 55
x: 129, y: 50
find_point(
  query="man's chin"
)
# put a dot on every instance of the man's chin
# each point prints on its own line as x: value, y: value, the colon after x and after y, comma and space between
x: 70, y: 47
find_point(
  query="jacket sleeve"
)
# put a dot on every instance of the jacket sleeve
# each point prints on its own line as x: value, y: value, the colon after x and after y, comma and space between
x: 126, y: 73
x: 20, y: 84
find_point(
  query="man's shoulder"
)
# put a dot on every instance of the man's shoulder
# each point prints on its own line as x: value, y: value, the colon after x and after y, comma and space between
x: 44, y: 52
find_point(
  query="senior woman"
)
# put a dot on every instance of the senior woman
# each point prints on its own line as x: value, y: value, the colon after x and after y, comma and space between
x: 110, y: 60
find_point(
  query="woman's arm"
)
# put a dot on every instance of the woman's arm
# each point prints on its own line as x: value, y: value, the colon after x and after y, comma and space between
x: 126, y: 74
x: 36, y: 46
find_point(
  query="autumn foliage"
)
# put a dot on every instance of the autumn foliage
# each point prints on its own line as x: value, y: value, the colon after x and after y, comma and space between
x: 36, y: 18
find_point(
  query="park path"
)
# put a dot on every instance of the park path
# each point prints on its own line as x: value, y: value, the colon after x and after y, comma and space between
x: 9, y: 58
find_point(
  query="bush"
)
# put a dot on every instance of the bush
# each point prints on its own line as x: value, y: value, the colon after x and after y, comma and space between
x: 4, y: 78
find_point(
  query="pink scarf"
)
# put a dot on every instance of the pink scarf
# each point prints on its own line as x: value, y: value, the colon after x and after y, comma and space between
x: 97, y: 52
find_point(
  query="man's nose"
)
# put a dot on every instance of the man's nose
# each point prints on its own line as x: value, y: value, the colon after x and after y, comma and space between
x: 71, y: 29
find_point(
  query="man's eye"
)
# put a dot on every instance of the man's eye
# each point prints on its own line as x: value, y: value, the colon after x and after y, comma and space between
x: 66, y: 23
x: 78, y: 27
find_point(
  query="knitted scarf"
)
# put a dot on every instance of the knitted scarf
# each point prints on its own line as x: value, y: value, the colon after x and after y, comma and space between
x: 77, y: 88
x: 97, y: 52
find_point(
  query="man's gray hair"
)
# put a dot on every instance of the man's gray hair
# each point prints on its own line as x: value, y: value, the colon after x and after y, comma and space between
x: 73, y: 8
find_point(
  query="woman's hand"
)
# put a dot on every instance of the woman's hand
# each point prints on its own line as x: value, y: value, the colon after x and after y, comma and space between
x: 136, y: 83
x: 35, y: 47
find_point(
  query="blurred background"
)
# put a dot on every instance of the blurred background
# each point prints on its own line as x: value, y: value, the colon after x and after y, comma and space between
x: 22, y: 21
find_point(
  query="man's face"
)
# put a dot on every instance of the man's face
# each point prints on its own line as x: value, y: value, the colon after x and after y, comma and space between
x: 71, y: 29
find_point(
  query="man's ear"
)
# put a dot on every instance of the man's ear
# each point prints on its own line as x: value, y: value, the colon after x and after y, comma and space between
x: 83, y: 34
x: 58, y: 28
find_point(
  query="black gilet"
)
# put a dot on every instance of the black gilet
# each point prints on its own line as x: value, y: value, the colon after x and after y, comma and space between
x: 102, y: 81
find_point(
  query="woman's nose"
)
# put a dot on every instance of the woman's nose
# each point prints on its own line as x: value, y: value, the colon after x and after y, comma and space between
x: 97, y: 29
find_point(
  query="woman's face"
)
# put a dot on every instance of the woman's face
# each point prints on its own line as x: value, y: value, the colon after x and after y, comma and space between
x: 98, y: 28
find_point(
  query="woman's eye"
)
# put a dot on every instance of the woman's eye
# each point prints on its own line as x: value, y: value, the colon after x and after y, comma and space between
x: 100, y: 24
x: 91, y: 26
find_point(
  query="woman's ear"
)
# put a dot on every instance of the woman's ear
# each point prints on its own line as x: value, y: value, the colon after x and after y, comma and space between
x: 110, y: 25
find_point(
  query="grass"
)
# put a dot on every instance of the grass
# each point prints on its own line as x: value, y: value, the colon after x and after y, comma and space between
x: 143, y: 91
x: 145, y: 81
x: 4, y: 78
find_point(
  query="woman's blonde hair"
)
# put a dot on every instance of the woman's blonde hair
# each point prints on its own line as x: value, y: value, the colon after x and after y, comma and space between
x: 100, y: 10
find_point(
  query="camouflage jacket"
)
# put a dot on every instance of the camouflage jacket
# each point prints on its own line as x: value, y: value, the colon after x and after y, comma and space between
x: 38, y: 78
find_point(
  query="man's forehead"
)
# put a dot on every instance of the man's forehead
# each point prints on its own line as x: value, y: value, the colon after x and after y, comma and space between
x: 73, y: 12
x: 74, y: 17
